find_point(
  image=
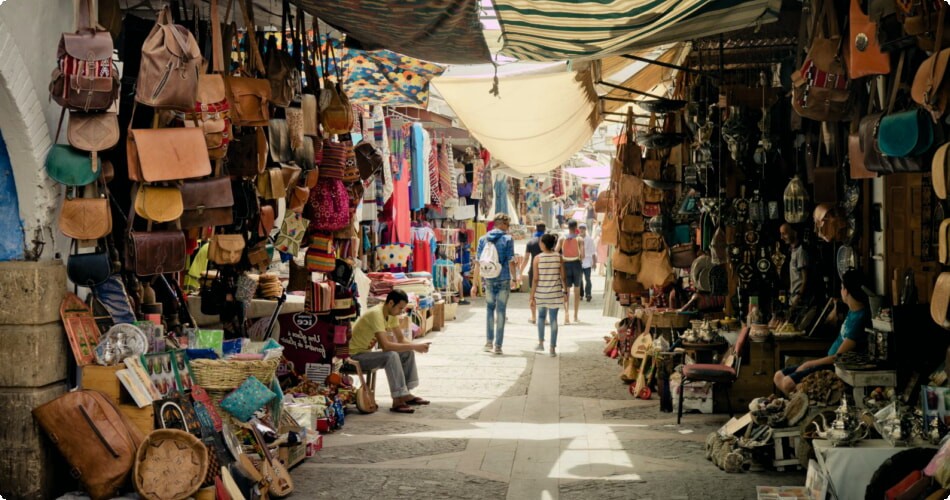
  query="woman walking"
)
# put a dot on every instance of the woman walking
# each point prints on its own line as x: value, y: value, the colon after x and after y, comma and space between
x: 548, y: 291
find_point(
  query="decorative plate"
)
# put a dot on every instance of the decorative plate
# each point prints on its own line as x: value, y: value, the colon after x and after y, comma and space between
x: 121, y: 341
x: 752, y: 237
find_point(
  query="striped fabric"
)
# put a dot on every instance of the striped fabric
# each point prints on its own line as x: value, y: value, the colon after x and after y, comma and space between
x: 434, y: 180
x: 545, y: 30
x: 550, y: 290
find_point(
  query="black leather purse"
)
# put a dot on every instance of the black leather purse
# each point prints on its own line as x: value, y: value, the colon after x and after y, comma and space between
x: 88, y: 269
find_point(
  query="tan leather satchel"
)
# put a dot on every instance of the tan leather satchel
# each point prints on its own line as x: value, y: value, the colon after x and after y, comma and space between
x: 604, y: 202
x: 158, y: 203
x: 931, y: 88
x: 270, y: 184
x: 92, y: 132
x: 625, y: 262
x: 291, y: 176
x: 168, y: 76
x: 249, y: 97
x: 226, y: 249
x: 630, y: 195
x: 365, y: 398
x: 212, y: 112
x: 655, y: 268
x: 95, y: 438
x: 85, y: 218
x: 311, y: 117
x: 167, y: 154
x: 630, y: 223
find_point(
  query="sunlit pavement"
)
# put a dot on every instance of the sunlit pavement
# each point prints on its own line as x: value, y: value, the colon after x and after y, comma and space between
x: 523, y: 425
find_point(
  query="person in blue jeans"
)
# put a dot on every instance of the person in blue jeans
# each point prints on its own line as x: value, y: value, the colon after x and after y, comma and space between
x: 497, y: 289
x: 851, y: 337
x: 548, y: 291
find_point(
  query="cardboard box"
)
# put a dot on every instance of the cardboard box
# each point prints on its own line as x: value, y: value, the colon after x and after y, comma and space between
x: 104, y: 380
x: 292, y: 455
x: 314, y: 443
x: 451, y: 310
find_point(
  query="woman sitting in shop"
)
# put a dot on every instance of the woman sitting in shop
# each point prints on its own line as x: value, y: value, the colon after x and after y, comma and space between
x: 851, y: 337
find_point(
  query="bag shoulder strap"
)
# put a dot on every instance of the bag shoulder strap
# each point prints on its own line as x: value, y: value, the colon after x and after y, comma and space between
x: 254, y: 54
x: 896, y: 83
x: 217, y: 49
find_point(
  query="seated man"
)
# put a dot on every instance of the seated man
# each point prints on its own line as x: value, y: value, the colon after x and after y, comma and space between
x: 852, y: 335
x: 397, y: 356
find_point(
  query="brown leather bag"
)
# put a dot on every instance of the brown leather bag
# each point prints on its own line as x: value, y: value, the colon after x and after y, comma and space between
x: 629, y: 242
x: 249, y: 97
x: 85, y: 218
x: 270, y: 184
x: 207, y: 202
x: 630, y: 194
x: 624, y: 262
x: 856, y: 155
x: 311, y: 117
x: 168, y: 76
x: 821, y: 87
x: 604, y: 202
x: 226, y: 249
x: 85, y: 78
x: 167, y: 154
x: 156, y: 252
x: 267, y: 220
x: 867, y: 58
x: 626, y: 283
x: 158, y: 203
x: 284, y: 78
x: 212, y: 112
x: 931, y: 88
x: 611, y: 228
x: 298, y: 198
x: 291, y: 176
x: 92, y: 132
x: 630, y: 223
x: 95, y: 438
x: 247, y: 152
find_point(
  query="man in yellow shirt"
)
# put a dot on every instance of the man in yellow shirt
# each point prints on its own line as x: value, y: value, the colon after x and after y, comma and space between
x: 397, y: 356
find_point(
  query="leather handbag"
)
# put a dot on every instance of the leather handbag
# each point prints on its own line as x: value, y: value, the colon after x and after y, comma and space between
x: 258, y: 257
x: 85, y: 218
x: 624, y: 262
x: 212, y: 111
x: 856, y: 155
x: 283, y: 77
x: 270, y: 184
x: 820, y: 88
x: 655, y: 268
x: 931, y: 88
x: 68, y: 166
x: 168, y: 75
x: 611, y: 228
x: 278, y: 140
x: 92, y: 132
x: 630, y: 223
x: 867, y: 58
x: 297, y: 200
x: 207, y: 202
x: 683, y: 255
x: 226, y: 249
x: 268, y: 218
x: 249, y: 97
x: 938, y: 172
x: 369, y: 159
x: 630, y: 194
x: 908, y: 133
x: 95, y: 438
x: 167, y: 154
x: 923, y: 22
x: 295, y: 127
x: 88, y: 269
x: 155, y: 252
x: 604, y: 202
x: 85, y: 78
x: 247, y: 152
x: 630, y: 243
x: 626, y: 283
x: 290, y: 173
x: 158, y: 203
x: 336, y: 112
x: 652, y: 195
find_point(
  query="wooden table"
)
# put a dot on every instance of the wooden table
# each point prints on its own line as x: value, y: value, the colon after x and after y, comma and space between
x: 859, y: 380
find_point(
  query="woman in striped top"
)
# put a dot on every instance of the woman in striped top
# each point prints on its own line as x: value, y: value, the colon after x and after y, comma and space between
x: 548, y: 291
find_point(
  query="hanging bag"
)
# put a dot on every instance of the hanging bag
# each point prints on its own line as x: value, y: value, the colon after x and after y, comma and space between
x: 821, y: 88
x: 212, y: 112
x: 85, y: 218
x: 85, y: 78
x: 248, y: 96
x: 158, y: 203
x: 150, y: 252
x: 931, y: 88
x: 336, y: 113
x: 88, y: 269
x: 207, y: 202
x: 867, y: 58
x: 168, y: 75
x: 903, y: 137
x: 282, y: 73
x: 226, y: 249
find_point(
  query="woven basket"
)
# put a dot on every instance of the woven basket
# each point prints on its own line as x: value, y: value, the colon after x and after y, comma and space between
x: 223, y: 374
x: 671, y: 319
x: 164, y: 450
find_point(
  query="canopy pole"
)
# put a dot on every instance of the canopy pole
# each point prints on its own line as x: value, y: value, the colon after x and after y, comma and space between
x: 664, y: 64
x: 633, y: 91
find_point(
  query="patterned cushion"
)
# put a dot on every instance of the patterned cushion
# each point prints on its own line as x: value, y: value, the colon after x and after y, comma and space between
x: 393, y: 258
x: 247, y: 399
x: 709, y: 372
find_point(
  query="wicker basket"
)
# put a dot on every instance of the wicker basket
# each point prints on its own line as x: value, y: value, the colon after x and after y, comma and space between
x: 671, y: 319
x: 227, y: 375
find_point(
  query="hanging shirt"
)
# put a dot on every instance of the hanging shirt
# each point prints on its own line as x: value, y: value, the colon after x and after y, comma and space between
x: 419, y: 166
x: 423, y: 248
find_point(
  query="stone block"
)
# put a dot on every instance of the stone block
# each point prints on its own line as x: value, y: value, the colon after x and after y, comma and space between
x: 30, y: 466
x: 31, y: 292
x: 41, y: 352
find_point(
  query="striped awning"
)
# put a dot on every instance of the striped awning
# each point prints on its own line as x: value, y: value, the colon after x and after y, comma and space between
x: 541, y: 30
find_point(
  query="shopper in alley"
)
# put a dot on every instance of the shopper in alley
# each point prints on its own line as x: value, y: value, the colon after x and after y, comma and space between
x: 571, y: 248
x: 496, y: 252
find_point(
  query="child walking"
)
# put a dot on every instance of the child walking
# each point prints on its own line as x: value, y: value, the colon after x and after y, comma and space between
x: 548, y: 291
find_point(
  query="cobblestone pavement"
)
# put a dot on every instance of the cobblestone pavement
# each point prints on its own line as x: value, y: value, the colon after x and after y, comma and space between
x: 523, y: 426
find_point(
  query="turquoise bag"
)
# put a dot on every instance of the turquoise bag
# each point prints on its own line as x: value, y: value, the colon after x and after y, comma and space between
x: 909, y: 133
x: 71, y: 167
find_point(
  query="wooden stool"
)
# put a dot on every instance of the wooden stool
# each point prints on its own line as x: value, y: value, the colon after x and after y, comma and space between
x: 786, y: 442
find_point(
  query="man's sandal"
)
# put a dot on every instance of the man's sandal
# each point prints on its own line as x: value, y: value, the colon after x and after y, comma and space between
x: 402, y: 409
x: 417, y: 401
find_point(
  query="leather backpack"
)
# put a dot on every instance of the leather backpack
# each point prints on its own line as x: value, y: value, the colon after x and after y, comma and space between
x: 85, y: 78
x: 821, y: 88
x: 95, y: 438
x: 168, y: 75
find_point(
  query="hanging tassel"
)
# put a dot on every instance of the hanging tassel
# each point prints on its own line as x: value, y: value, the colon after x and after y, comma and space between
x: 494, y: 89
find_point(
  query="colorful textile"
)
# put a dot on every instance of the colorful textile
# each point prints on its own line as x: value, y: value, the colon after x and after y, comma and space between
x: 328, y: 207
x: 386, y: 78
x: 247, y: 399
x: 533, y: 200
x: 435, y: 183
x: 446, y: 31
x: 393, y: 258
x: 423, y: 249
x: 447, y: 187
x: 419, y: 167
x: 591, y: 29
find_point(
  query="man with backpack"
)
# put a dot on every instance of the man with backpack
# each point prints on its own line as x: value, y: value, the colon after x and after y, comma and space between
x: 496, y: 251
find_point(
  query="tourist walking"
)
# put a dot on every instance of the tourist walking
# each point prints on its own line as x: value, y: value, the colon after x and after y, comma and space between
x: 498, y: 286
x: 571, y: 249
x: 587, y: 263
x: 548, y: 290
x: 531, y: 252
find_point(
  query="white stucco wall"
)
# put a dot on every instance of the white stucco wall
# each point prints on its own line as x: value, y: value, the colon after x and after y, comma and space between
x: 29, y: 34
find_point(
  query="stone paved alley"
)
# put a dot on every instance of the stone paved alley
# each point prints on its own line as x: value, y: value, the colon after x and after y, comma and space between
x: 523, y: 426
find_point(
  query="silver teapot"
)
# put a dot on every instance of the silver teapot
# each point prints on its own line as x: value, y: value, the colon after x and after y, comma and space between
x: 706, y: 332
x: 845, y: 430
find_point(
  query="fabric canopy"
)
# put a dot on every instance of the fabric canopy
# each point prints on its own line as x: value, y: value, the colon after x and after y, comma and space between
x: 586, y: 29
x: 445, y: 31
x: 646, y: 78
x: 387, y: 78
x: 537, y: 123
